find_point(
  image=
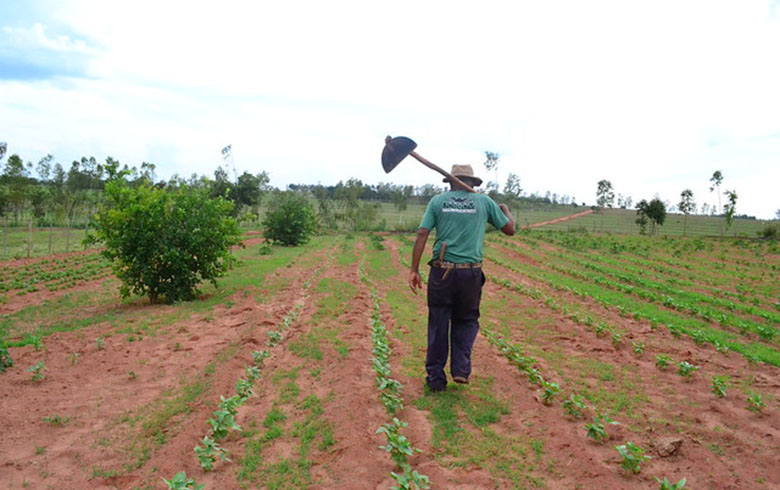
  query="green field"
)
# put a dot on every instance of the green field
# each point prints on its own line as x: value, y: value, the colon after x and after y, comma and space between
x: 312, y: 350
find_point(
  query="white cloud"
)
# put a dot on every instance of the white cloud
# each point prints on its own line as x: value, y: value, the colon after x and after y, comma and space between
x: 652, y: 96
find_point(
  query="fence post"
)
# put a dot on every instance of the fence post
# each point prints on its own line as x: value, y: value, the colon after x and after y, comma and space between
x: 67, y: 236
x: 29, y: 237
x: 86, y: 234
x: 5, y: 237
x: 51, y: 232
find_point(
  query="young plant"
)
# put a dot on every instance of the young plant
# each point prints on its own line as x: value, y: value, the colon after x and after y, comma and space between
x: 719, y: 385
x: 410, y: 480
x: 181, y: 482
x: 209, y: 453
x: 534, y: 376
x: 632, y: 457
x: 398, y: 445
x: 222, y: 423
x: 686, y: 369
x: 56, y: 420
x: 667, y: 485
x: 574, y: 405
x: 274, y: 338
x: 5, y: 360
x: 244, y: 389
x: 99, y: 343
x: 37, y: 371
x: 550, y: 390
x: 617, y: 340
x: 596, y: 429
x: 638, y: 347
x: 662, y: 360
x: 755, y: 402
x: 258, y: 356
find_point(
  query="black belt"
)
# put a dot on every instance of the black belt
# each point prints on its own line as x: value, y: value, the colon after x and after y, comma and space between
x: 453, y: 265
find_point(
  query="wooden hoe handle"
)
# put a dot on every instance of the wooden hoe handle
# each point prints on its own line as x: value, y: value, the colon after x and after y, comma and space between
x: 432, y: 166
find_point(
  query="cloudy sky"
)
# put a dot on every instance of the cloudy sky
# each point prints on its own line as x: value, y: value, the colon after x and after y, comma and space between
x: 653, y: 95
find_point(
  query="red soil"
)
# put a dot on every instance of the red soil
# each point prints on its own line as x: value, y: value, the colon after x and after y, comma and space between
x: 108, y: 393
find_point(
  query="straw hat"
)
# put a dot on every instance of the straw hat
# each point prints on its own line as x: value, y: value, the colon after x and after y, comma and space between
x: 464, y: 172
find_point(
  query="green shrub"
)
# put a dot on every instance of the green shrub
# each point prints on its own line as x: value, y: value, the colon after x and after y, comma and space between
x: 163, y: 244
x: 290, y: 220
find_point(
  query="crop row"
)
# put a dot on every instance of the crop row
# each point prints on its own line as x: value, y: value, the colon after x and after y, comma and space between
x: 705, y: 271
x: 390, y: 395
x: 696, y: 329
x: 687, y: 303
x: 639, y: 277
x: 223, y: 420
x: 601, y: 329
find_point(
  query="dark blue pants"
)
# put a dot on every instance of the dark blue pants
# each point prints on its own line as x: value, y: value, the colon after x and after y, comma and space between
x: 453, y: 314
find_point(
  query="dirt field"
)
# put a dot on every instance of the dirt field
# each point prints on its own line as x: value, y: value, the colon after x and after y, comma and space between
x: 129, y: 387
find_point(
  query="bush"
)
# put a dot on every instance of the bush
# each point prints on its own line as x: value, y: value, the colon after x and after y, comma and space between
x: 771, y: 231
x: 163, y: 244
x: 290, y: 220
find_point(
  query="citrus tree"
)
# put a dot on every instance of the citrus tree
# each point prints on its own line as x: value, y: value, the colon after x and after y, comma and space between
x: 163, y: 243
x: 290, y: 220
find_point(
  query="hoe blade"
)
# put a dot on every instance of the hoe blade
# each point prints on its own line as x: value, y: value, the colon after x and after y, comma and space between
x: 396, y: 149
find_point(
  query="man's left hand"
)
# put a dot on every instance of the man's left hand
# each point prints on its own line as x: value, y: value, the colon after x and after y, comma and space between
x: 415, y: 281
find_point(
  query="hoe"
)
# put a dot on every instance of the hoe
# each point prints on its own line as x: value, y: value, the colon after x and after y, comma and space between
x: 396, y: 149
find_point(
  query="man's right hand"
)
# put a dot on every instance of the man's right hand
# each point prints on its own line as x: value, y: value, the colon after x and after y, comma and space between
x: 415, y: 281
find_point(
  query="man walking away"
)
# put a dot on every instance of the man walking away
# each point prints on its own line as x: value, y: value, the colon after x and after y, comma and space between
x: 456, y: 279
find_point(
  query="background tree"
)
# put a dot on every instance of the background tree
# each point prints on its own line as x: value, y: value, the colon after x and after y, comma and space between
x: 731, y: 207
x: 512, y: 189
x: 686, y: 206
x: 653, y: 212
x: 163, y: 244
x: 290, y: 219
x: 777, y: 214
x: 491, y: 163
x: 604, y: 194
x: 716, y: 179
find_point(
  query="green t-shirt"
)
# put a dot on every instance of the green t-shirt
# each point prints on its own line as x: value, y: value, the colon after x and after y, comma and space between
x: 459, y: 218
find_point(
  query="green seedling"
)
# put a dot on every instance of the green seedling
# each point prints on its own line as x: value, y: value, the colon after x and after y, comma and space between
x: 686, y: 369
x: 617, y: 340
x: 755, y: 402
x: 632, y: 457
x: 56, y: 420
x: 410, y: 480
x: 662, y: 361
x: 719, y: 385
x: 398, y: 445
x: 252, y: 373
x: 132, y: 375
x: 596, y: 429
x: 99, y: 343
x: 574, y: 405
x: 181, y: 482
x: 258, y: 356
x: 274, y: 338
x: 600, y: 329
x: 244, y: 389
x: 534, y: 376
x: 74, y: 358
x: 222, y: 423
x: 722, y: 348
x: 209, y: 453
x: 5, y: 360
x: 550, y: 390
x: 35, y: 341
x: 638, y: 346
x: 37, y: 371
x: 698, y: 337
x: 665, y: 484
